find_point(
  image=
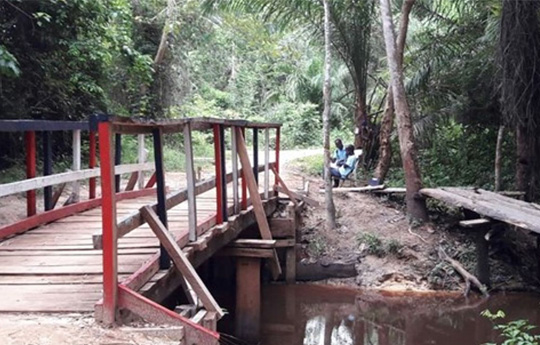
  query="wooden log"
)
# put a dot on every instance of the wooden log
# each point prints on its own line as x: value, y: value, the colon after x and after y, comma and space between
x: 180, y: 261
x: 325, y: 270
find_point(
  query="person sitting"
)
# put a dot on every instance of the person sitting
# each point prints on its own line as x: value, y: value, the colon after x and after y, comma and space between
x: 340, y: 155
x: 342, y: 169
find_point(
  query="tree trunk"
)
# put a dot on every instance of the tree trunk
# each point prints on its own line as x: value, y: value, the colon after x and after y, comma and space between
x: 523, y: 164
x: 416, y: 205
x: 385, y: 148
x: 361, y: 131
x: 327, y: 95
x: 498, y: 158
x: 162, y: 48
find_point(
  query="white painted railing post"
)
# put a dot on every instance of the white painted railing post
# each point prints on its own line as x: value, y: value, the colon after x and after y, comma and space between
x: 236, y: 202
x: 142, y: 159
x: 190, y: 177
x: 266, y: 162
x: 76, y: 162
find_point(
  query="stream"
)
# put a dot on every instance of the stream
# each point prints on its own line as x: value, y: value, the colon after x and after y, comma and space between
x: 323, y: 315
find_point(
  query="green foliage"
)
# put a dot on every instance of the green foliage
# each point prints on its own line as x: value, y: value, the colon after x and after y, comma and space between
x: 377, y: 246
x: 373, y: 243
x: 311, y: 165
x: 317, y: 246
x: 460, y: 155
x: 514, y: 332
x: 9, y: 67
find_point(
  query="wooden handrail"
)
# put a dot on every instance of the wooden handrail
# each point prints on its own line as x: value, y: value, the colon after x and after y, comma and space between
x: 136, y: 219
x: 71, y: 176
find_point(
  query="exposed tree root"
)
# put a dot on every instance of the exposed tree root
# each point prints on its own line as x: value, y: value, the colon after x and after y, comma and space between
x: 468, y: 277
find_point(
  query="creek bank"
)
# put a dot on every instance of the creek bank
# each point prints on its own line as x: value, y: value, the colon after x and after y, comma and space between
x: 391, y: 255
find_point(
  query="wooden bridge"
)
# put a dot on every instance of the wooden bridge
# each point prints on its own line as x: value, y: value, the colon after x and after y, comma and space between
x: 113, y: 251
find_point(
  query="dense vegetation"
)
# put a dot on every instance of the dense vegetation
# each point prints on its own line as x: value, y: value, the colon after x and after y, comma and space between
x: 264, y: 60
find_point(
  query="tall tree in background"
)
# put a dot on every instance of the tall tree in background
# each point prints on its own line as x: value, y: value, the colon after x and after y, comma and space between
x: 387, y: 123
x: 351, y: 38
x: 520, y: 85
x: 416, y: 205
x: 327, y: 95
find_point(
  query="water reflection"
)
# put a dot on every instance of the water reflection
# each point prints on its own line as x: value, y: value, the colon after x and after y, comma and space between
x: 317, y: 315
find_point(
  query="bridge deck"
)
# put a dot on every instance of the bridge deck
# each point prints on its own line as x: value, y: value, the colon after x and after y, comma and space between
x: 54, y: 267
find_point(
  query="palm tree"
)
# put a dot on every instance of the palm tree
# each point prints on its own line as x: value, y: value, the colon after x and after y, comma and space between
x: 351, y: 28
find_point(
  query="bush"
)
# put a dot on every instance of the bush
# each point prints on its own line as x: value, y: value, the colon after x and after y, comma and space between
x: 515, y: 332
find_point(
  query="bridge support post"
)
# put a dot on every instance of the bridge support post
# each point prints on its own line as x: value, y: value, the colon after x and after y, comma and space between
x: 110, y: 236
x: 248, y: 299
x: 482, y: 256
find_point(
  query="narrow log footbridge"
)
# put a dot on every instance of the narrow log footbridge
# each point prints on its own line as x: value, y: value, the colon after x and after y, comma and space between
x: 132, y: 239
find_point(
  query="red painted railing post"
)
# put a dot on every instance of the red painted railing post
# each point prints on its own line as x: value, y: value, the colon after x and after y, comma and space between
x: 278, y: 139
x: 110, y: 238
x: 30, y: 143
x: 219, y: 186
x: 243, y: 203
x: 92, y: 164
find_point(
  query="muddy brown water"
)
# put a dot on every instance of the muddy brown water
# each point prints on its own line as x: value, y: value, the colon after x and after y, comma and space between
x: 321, y: 315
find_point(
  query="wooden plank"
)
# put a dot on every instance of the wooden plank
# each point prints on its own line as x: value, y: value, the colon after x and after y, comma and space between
x: 264, y: 228
x: 356, y: 189
x: 237, y: 223
x: 474, y: 223
x: 57, y: 194
x: 491, y: 205
x: 283, y: 227
x: 71, y: 176
x: 180, y: 261
x: 250, y: 243
x: 153, y: 312
x: 247, y: 253
x: 132, y: 181
x: 284, y: 186
x: 190, y: 177
x: 311, y: 202
x: 199, y: 316
x: 284, y: 243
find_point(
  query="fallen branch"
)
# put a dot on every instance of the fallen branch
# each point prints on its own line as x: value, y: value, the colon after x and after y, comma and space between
x: 469, y: 278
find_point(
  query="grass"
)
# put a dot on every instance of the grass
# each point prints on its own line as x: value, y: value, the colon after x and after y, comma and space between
x: 378, y: 247
x: 310, y: 165
x: 316, y: 247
